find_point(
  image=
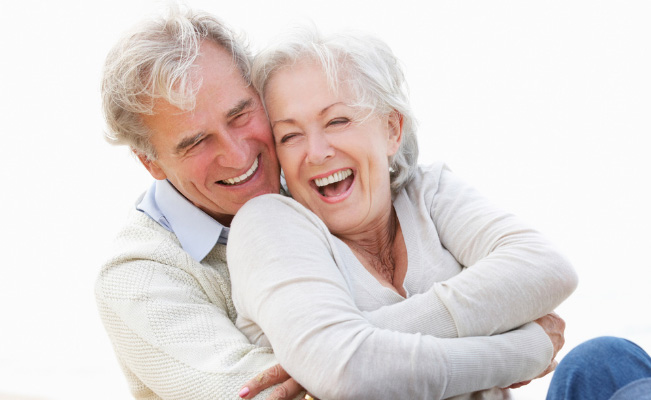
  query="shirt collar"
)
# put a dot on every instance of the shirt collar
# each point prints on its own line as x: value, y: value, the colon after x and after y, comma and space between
x: 197, y: 231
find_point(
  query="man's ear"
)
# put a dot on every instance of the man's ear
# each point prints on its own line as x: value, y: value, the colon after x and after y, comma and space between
x: 395, y: 132
x: 154, y: 169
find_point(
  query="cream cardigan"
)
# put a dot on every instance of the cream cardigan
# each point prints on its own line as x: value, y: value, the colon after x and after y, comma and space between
x: 477, y: 270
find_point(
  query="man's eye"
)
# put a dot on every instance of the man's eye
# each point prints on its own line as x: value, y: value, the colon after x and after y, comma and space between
x: 240, y: 119
x: 198, y: 142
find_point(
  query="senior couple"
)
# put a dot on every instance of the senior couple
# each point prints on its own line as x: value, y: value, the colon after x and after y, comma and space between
x: 377, y: 278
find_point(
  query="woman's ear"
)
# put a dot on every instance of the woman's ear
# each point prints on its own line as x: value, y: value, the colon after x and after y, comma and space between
x: 152, y: 166
x: 395, y: 132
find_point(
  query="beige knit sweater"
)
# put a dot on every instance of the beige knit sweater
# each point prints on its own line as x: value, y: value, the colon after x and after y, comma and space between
x: 171, y: 319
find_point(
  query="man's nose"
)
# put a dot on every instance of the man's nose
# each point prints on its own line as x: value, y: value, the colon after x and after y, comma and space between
x: 233, y: 152
x: 319, y: 148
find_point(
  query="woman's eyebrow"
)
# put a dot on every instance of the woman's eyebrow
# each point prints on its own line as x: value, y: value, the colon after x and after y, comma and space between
x: 330, y: 106
x: 292, y: 121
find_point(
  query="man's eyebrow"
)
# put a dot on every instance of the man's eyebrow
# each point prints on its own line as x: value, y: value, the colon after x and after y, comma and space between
x: 187, y: 142
x: 241, y: 106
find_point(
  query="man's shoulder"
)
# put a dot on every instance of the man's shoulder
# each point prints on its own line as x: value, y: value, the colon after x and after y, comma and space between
x: 144, y: 251
x: 141, y: 232
x: 142, y: 244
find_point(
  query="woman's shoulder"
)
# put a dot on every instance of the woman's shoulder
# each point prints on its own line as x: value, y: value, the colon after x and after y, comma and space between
x: 433, y: 183
x: 278, y: 200
x: 431, y: 172
x: 426, y: 179
x: 275, y: 213
x: 270, y: 207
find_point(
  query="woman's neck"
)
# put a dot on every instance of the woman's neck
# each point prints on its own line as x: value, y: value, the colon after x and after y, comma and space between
x: 379, y: 251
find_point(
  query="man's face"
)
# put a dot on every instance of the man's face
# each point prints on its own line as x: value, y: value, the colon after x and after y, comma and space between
x: 220, y: 154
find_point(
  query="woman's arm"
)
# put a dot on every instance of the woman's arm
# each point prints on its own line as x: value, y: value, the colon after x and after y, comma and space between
x: 286, y: 278
x: 514, y: 274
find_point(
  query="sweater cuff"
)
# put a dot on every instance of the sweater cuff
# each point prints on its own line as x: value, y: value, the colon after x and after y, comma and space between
x: 497, y: 361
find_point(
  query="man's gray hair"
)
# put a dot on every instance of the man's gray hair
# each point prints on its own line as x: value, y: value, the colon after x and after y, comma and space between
x: 367, y: 66
x: 156, y: 61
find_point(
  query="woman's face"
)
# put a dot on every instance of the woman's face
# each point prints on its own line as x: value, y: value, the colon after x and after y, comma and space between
x: 335, y: 157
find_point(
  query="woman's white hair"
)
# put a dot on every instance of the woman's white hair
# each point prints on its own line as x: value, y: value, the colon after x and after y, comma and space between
x: 156, y: 61
x: 366, y: 65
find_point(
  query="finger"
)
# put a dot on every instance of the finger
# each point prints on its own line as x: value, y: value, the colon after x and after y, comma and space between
x: 549, y: 369
x: 265, y: 379
x: 519, y: 385
x: 286, y: 390
x: 554, y: 327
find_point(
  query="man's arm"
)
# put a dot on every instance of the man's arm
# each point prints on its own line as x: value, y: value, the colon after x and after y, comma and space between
x: 170, y: 320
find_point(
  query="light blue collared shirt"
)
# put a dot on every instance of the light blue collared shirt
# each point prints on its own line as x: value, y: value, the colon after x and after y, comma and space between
x: 197, y: 231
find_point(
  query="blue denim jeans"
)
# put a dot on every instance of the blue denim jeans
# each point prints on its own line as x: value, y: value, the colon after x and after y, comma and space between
x: 605, y: 368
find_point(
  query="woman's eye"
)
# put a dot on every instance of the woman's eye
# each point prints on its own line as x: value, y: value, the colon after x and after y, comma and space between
x: 338, y: 121
x: 287, y: 137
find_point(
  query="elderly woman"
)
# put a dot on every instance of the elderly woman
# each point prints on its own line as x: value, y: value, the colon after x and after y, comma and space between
x: 380, y: 278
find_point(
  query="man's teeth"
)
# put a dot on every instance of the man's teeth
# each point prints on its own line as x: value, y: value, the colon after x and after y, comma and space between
x: 336, y: 177
x: 243, y: 177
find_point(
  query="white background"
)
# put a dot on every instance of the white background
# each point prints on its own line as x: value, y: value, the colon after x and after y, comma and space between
x: 544, y: 106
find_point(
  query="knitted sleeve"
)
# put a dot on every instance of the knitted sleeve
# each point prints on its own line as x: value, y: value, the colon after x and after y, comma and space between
x: 169, y: 321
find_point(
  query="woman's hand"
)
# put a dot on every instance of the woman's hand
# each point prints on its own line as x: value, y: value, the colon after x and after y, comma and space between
x: 288, y: 388
x: 554, y: 327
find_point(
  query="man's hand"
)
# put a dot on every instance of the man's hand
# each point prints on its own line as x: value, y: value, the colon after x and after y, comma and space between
x: 554, y: 327
x: 288, y: 388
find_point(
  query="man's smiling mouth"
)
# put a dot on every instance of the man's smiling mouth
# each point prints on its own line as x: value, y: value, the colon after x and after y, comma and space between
x: 242, y: 178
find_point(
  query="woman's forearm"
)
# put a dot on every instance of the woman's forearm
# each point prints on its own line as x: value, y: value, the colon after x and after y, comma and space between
x: 513, y: 273
x: 321, y: 338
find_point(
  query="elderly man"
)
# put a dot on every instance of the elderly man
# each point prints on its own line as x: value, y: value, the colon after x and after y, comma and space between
x: 177, y: 92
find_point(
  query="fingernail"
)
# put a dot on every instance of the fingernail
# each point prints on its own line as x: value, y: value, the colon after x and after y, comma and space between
x: 244, y: 392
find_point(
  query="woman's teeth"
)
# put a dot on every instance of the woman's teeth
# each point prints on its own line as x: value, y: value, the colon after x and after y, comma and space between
x: 336, y: 177
x: 243, y: 177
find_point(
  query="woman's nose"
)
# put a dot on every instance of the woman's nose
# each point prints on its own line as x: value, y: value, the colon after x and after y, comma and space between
x: 319, y: 148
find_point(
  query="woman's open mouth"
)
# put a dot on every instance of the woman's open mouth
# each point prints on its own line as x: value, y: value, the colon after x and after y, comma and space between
x: 336, y: 184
